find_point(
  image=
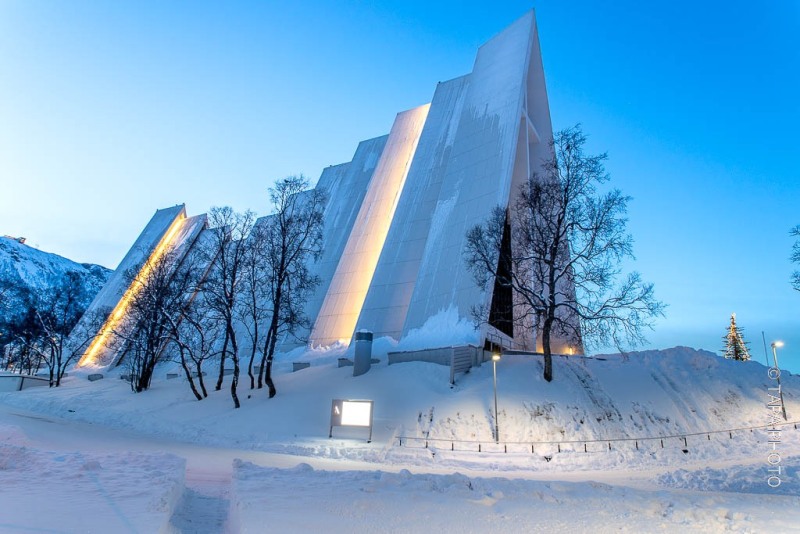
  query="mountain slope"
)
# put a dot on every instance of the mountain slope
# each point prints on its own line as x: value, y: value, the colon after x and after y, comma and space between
x: 22, y: 266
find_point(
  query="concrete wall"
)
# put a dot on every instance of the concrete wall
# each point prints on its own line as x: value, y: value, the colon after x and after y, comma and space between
x: 15, y: 382
x: 348, y: 289
x: 460, y: 358
x: 477, y: 176
x: 347, y: 186
x: 386, y: 305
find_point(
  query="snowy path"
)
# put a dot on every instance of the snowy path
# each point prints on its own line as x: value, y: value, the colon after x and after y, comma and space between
x: 205, y: 463
x: 224, y: 490
x: 98, y: 458
x: 204, y: 506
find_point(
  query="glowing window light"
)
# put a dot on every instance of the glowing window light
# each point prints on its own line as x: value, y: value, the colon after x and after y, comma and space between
x: 118, y: 313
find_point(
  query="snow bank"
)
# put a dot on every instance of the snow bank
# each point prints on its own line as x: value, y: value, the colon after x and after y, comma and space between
x: 737, y: 479
x: 444, y: 329
x: 377, y: 501
x: 601, y: 419
x: 82, y: 492
x: 608, y: 412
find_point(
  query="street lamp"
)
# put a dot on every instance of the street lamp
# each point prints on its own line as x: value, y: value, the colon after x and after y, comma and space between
x: 775, y: 345
x: 495, y: 359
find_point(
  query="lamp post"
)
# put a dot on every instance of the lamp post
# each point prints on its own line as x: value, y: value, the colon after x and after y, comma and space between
x: 495, y: 359
x: 775, y: 345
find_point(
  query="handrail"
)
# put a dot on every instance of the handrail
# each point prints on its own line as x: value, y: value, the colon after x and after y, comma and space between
x: 606, y: 440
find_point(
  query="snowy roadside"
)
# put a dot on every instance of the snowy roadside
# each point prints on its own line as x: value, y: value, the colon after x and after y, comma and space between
x: 237, y: 469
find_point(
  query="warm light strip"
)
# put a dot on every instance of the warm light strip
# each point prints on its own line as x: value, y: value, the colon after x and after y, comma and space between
x: 348, y: 290
x: 118, y: 313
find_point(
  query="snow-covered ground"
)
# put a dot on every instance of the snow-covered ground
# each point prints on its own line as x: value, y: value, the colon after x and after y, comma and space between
x: 584, y: 451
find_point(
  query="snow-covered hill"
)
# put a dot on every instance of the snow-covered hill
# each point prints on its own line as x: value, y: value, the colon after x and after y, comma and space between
x: 24, y: 266
x: 650, y: 441
x: 618, y: 400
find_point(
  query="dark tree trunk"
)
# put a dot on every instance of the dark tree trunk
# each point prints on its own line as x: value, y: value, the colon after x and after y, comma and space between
x: 268, y: 379
x: 200, y: 379
x: 250, y: 365
x: 147, y: 375
x: 548, y: 357
x: 273, y: 333
x: 270, y: 354
x: 222, y: 361
x: 262, y: 370
x: 550, y: 319
x: 188, y: 373
x: 59, y: 369
x: 235, y: 383
x: 235, y: 359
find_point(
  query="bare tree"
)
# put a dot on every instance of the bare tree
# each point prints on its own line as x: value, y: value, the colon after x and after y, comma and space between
x: 16, y: 321
x: 255, y: 303
x: 23, y: 341
x: 565, y: 243
x: 192, y: 330
x: 155, y: 304
x: 59, y: 309
x: 195, y: 334
x: 795, y: 258
x: 226, y: 252
x: 38, y: 334
x: 293, y: 238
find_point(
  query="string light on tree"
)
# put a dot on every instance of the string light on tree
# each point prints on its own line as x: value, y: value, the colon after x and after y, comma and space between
x: 735, y: 345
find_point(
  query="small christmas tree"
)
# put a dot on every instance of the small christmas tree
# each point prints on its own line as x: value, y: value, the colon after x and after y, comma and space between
x: 735, y: 345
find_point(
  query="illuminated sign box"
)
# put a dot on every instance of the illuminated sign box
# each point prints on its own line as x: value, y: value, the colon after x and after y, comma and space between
x: 351, y: 413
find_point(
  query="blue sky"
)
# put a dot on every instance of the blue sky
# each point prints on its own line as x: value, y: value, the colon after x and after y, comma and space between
x: 110, y: 110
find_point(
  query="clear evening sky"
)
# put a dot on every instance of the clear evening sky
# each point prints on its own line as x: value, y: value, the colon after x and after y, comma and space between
x: 110, y: 110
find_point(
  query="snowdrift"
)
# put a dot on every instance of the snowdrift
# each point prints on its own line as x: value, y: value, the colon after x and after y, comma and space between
x: 614, y: 409
x: 673, y: 436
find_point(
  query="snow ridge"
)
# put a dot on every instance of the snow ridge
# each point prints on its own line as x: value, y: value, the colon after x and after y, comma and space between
x: 26, y: 267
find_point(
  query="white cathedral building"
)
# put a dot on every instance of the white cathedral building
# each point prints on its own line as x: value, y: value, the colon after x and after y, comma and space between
x: 397, y: 214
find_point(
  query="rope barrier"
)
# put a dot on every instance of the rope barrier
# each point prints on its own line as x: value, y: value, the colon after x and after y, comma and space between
x: 609, y: 441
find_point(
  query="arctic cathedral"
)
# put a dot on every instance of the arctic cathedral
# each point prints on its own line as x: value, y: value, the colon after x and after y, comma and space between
x: 397, y: 214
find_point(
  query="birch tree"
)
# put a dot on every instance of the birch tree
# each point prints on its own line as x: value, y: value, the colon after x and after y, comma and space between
x: 567, y: 244
x: 292, y: 239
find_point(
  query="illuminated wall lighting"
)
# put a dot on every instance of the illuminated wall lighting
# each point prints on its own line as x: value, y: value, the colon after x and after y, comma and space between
x: 348, y: 290
x: 118, y: 313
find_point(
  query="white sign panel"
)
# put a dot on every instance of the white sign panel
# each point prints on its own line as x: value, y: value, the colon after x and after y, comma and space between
x: 356, y: 413
x: 352, y: 413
